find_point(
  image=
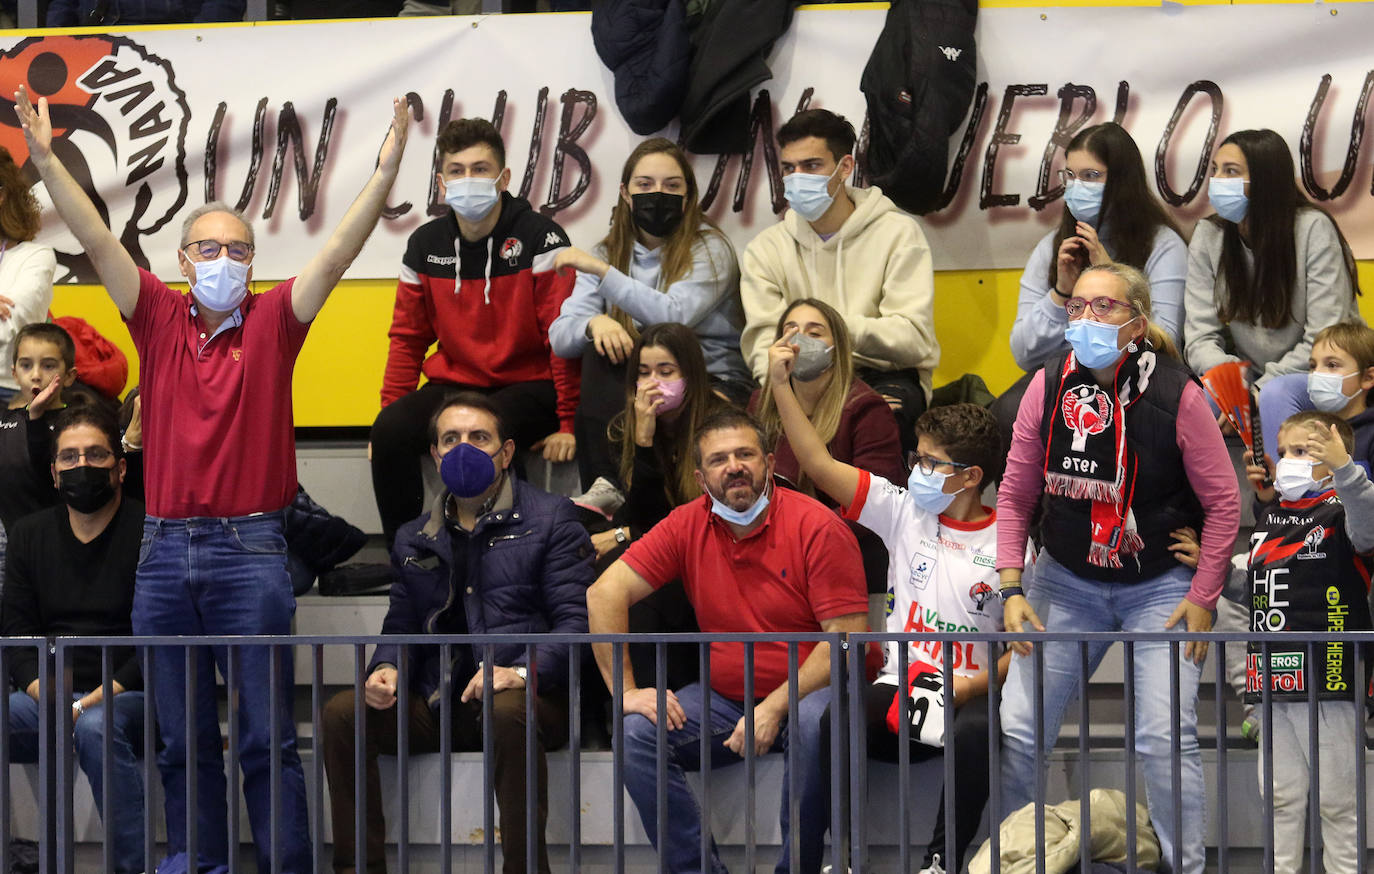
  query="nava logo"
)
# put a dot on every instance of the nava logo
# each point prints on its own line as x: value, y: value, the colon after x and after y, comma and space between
x: 119, y: 125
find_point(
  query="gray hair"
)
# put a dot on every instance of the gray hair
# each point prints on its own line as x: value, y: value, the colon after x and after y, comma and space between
x: 1137, y: 284
x: 213, y: 206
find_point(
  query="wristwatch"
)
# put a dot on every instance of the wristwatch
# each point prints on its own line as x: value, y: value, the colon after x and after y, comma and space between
x: 522, y: 672
x: 621, y: 536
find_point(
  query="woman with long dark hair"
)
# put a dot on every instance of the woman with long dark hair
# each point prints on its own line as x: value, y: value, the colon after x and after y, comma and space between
x: 1268, y: 270
x: 662, y: 261
x: 1110, y: 214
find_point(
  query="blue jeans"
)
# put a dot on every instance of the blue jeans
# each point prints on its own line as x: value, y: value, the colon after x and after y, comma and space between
x: 222, y: 577
x: 683, y: 852
x: 1076, y: 604
x: 124, y: 824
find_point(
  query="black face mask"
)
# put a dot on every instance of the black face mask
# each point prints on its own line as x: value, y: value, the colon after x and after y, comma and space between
x: 86, y: 489
x: 657, y: 212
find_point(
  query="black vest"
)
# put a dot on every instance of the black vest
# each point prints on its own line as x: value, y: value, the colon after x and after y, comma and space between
x: 1164, y: 499
x: 1305, y: 576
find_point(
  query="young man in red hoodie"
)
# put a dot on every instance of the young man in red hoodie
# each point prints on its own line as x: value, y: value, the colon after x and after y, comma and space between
x: 480, y: 281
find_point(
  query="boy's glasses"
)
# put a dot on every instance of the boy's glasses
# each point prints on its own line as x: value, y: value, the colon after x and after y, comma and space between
x: 927, y: 464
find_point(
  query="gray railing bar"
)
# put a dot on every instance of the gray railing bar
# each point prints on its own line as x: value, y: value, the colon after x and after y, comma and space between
x: 1361, y: 835
x: 403, y: 756
x: 232, y: 681
x: 1219, y: 688
x: 446, y: 758
x: 317, y: 757
x: 1084, y: 781
x: 1176, y: 753
x: 149, y: 758
x: 750, y: 850
x: 488, y: 759
x: 575, y: 758
x: 704, y: 671
x: 531, y: 814
x: 793, y: 760
x: 1267, y: 754
x: 661, y: 746
x: 65, y: 814
x: 1128, y: 688
x: 995, y: 758
x: 47, y: 780
x: 274, y: 731
x: 839, y: 774
x: 947, y: 680
x: 903, y: 755
x: 360, y: 859
x: 858, y: 757
x: 1314, y: 790
x: 106, y: 757
x: 618, y: 757
x: 1038, y: 718
x: 192, y: 777
x: 5, y: 764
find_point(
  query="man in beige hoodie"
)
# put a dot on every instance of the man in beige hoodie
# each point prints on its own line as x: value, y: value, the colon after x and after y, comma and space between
x: 855, y: 250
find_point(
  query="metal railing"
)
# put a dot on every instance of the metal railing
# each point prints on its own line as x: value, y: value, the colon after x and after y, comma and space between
x: 847, y: 753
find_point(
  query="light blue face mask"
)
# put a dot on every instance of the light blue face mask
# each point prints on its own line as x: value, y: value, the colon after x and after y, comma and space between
x: 1084, y: 199
x: 221, y: 284
x: 1325, y: 391
x: 1094, y: 343
x: 472, y: 197
x: 1228, y: 198
x: 808, y: 193
x: 927, y: 490
x: 743, y: 518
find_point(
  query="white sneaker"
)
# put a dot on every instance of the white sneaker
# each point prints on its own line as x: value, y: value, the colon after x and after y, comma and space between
x: 603, y: 497
x: 827, y: 869
x: 934, y: 867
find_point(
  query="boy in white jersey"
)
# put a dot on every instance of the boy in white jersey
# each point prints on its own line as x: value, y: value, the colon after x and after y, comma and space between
x: 942, y: 546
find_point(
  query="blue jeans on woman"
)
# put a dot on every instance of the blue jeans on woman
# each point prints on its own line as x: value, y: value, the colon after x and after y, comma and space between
x: 1079, y: 605
x: 222, y: 577
x: 124, y: 822
x: 683, y: 852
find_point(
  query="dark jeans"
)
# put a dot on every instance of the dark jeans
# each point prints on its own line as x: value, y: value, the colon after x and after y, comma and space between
x: 400, y: 439
x: 970, y: 750
x: 602, y: 399
x: 905, y: 386
x: 508, y: 721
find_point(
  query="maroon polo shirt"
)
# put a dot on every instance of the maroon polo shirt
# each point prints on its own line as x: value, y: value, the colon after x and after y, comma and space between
x: 218, y: 434
x: 800, y: 567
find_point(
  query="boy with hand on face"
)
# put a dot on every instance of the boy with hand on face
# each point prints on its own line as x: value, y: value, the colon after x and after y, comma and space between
x: 1309, y: 569
x: 43, y: 365
x: 932, y: 585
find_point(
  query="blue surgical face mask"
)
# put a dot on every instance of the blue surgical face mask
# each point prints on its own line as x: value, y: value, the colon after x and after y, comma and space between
x: 221, y: 284
x: 808, y: 193
x: 1094, y: 343
x: 467, y: 471
x: 927, y: 490
x: 1228, y: 198
x: 472, y: 197
x: 745, y: 517
x: 1325, y: 391
x: 1084, y: 199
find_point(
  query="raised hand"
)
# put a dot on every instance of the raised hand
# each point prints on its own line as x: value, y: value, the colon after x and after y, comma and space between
x: 782, y: 355
x: 36, y: 123
x: 395, y: 144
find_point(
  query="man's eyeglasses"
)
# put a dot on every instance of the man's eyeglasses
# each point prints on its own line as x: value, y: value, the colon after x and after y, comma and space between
x: 208, y: 250
x: 1101, y: 306
x: 96, y: 455
x: 927, y: 464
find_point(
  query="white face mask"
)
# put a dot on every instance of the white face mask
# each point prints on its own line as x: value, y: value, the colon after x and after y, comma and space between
x: 221, y: 284
x: 1293, y: 478
x: 1325, y: 390
x: 472, y: 197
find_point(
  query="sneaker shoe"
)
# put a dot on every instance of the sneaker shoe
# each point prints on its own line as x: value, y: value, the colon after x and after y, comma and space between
x: 829, y: 868
x: 1250, y: 728
x: 603, y: 497
x: 934, y: 867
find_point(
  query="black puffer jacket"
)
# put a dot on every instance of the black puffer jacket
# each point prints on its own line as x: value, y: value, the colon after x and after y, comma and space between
x: 644, y: 43
x: 528, y: 569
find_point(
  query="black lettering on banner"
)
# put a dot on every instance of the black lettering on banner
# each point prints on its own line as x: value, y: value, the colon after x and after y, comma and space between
x: 250, y: 182
x: 1064, y: 131
x: 760, y: 129
x: 1123, y: 98
x: 105, y: 74
x: 1170, y: 196
x: 956, y: 170
x: 307, y: 181
x: 437, y: 207
x: 136, y: 94
x: 536, y: 141
x: 1352, y: 154
x: 417, y: 108
x: 142, y: 163
x: 567, y: 147
x: 1000, y: 138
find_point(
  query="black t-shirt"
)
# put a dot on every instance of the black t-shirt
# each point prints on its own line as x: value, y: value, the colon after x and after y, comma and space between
x: 57, y: 585
x: 25, y: 479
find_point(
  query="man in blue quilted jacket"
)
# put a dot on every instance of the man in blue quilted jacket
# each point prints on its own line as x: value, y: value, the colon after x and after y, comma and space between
x: 493, y: 555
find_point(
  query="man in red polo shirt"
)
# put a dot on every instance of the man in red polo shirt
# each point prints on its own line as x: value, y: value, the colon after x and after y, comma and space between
x: 753, y: 558
x: 220, y: 465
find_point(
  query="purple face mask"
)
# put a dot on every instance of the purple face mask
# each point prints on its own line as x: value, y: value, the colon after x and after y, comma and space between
x: 674, y: 391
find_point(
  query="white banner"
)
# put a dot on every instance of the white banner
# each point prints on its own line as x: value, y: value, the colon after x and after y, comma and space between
x: 285, y: 119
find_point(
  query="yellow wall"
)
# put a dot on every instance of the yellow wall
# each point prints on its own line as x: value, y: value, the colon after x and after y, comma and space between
x: 339, y: 373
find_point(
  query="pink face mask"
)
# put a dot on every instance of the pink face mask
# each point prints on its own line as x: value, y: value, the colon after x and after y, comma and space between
x: 674, y: 390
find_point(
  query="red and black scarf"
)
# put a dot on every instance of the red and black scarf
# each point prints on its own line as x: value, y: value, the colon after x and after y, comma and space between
x: 1086, y: 456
